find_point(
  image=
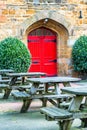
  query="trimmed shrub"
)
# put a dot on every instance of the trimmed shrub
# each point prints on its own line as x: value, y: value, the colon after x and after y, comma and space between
x: 14, y: 55
x: 79, y: 54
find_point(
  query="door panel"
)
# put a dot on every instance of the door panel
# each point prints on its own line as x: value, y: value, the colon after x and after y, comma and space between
x: 34, y: 47
x: 49, y: 52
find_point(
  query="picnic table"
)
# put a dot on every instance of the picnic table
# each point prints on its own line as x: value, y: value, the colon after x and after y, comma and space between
x: 76, y: 109
x: 23, y: 75
x: 79, y: 103
x: 13, y: 78
x: 49, y: 81
x: 45, y: 95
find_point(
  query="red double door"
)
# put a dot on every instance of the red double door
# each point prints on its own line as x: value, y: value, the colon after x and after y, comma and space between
x: 43, y: 49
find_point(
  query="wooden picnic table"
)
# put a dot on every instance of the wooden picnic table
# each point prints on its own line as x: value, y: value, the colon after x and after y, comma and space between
x: 45, y: 82
x: 79, y: 103
x: 14, y: 76
x: 7, y: 84
x: 77, y: 109
x: 49, y: 81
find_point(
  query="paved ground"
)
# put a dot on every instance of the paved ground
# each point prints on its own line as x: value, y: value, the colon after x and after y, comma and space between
x: 12, y: 119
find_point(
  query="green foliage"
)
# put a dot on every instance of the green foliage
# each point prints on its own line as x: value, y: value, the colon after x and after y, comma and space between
x: 79, y: 54
x: 14, y: 55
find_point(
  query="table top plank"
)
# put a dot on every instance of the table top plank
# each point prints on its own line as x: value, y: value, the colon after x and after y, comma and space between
x: 53, y: 79
x: 25, y: 74
x: 5, y: 80
x: 3, y: 71
x: 81, y: 90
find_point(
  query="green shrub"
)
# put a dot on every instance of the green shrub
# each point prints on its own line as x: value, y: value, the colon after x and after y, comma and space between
x: 14, y: 55
x: 79, y: 54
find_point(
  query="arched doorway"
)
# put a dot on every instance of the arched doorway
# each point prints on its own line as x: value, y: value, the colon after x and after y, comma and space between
x: 42, y: 43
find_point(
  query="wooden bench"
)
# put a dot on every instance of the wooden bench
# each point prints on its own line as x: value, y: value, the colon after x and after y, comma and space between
x: 64, y: 117
x: 27, y: 98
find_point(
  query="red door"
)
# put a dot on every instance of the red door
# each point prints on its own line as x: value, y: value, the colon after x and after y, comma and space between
x: 43, y: 48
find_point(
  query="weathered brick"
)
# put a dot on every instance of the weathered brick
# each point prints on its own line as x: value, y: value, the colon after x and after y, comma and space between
x: 11, y: 12
x: 5, y: 11
x: 3, y: 18
x: 32, y: 11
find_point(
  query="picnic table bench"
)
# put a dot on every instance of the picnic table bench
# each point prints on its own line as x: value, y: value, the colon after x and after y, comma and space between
x: 27, y: 99
x: 63, y: 117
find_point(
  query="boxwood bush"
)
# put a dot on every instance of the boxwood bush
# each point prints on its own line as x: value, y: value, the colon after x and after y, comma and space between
x: 79, y: 54
x: 14, y: 55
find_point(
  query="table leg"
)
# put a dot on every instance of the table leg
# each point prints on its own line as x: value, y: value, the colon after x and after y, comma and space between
x: 23, y: 80
x: 84, y: 120
x: 7, y: 93
x: 76, y: 103
x: 57, y: 89
x: 26, y: 104
x: 66, y: 84
x: 33, y: 88
x: 46, y: 87
x: 13, y: 80
x: 44, y: 102
x: 65, y: 125
x: 84, y: 123
x: 0, y: 77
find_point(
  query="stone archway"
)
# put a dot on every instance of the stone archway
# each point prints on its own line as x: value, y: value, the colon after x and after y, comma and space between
x: 57, y: 23
x: 54, y: 15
